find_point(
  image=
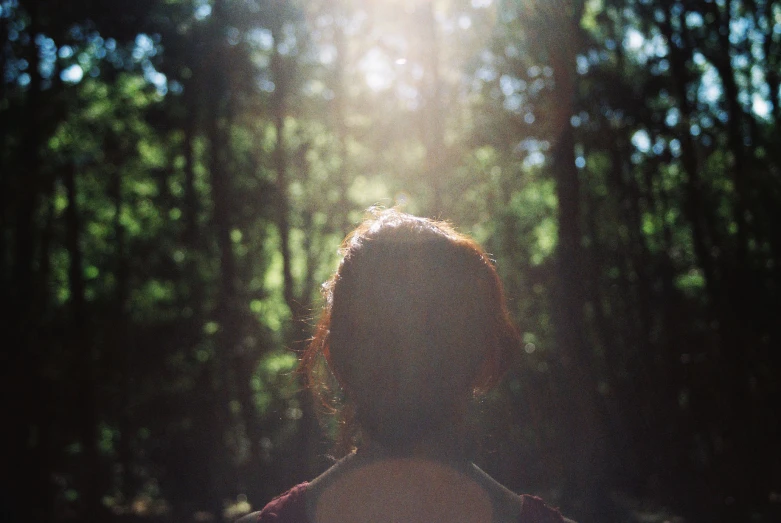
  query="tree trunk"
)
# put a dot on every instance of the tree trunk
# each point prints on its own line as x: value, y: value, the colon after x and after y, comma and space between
x: 581, y: 411
x: 120, y: 332
x: 225, y: 314
x: 772, y: 65
x: 280, y: 69
x: 694, y: 207
x: 82, y: 345
x: 22, y: 449
x: 735, y: 118
x: 340, y: 120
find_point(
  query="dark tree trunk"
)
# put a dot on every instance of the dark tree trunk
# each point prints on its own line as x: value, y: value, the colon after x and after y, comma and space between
x: 772, y: 64
x: 83, y: 350
x: 24, y: 394
x: 30, y: 170
x: 582, y: 412
x: 190, y: 203
x: 722, y: 59
x: 694, y: 206
x: 5, y: 247
x: 217, y: 122
x: 120, y: 346
x: 282, y: 73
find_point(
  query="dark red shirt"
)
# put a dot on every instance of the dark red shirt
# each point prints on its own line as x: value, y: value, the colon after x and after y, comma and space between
x: 290, y: 507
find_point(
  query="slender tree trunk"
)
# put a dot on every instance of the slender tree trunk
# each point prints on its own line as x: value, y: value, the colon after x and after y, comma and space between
x: 694, y: 207
x: 5, y: 248
x: 216, y: 125
x: 624, y: 462
x: 190, y: 203
x: 735, y: 119
x: 83, y: 350
x: 120, y: 333
x: 221, y: 187
x: 770, y: 188
x: 772, y: 64
x: 581, y: 412
x: 568, y: 194
x: 22, y: 451
x: 340, y: 118
x: 31, y: 162
x: 281, y: 73
x: 40, y: 389
x: 739, y: 337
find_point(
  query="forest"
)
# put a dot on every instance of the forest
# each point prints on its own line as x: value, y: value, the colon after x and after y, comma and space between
x: 176, y: 177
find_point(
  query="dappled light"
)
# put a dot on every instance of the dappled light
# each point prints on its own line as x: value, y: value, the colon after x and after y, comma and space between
x: 177, y: 178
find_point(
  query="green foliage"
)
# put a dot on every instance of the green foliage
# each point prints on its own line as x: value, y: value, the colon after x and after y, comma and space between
x: 177, y: 177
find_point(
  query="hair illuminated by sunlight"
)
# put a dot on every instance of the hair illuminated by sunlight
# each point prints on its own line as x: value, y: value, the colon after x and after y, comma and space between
x: 414, y: 323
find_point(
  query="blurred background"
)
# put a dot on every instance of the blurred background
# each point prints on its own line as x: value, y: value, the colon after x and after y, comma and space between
x: 177, y: 176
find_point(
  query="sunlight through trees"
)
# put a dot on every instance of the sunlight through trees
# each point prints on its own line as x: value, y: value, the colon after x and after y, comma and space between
x: 177, y: 176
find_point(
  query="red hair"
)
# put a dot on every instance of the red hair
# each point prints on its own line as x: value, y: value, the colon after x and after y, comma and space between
x: 414, y: 322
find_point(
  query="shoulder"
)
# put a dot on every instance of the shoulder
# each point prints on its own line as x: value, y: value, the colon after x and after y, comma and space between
x: 534, y: 510
x: 288, y: 507
x: 510, y: 506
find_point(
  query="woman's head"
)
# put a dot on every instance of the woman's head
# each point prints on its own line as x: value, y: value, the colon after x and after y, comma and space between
x: 414, y: 322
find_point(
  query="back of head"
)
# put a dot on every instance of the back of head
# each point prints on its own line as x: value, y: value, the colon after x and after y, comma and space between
x: 415, y: 321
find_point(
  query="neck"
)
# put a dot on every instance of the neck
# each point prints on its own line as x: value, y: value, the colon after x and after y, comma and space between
x: 446, y: 444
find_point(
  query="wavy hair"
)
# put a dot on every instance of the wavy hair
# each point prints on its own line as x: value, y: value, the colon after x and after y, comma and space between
x: 414, y: 323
